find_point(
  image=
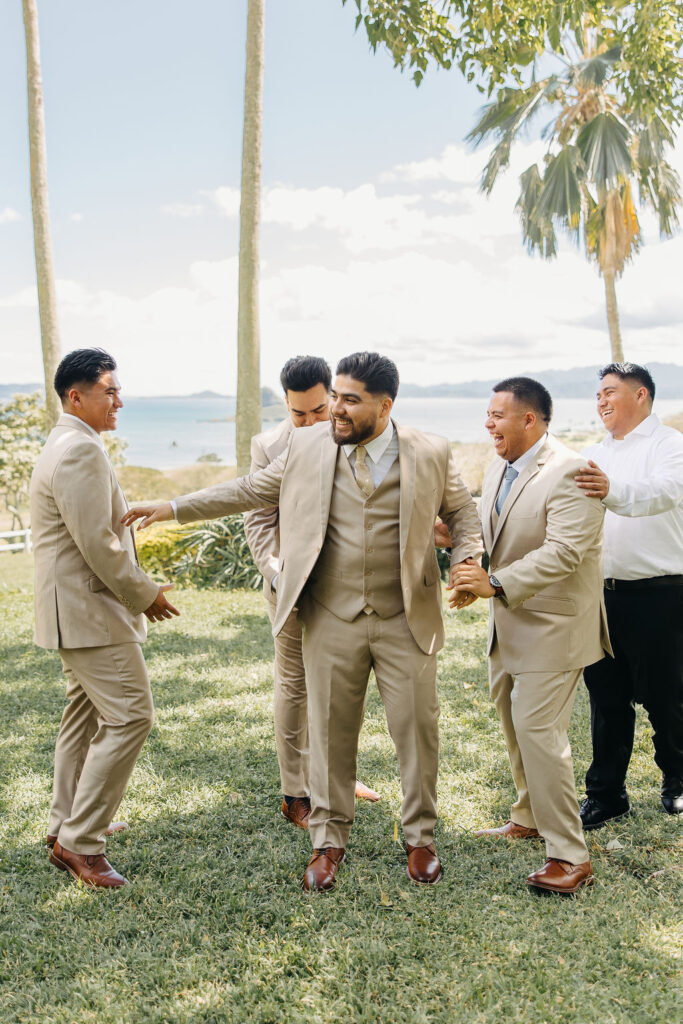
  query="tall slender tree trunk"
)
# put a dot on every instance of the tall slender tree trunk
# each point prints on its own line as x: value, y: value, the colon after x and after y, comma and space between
x: 613, y: 317
x: 248, y: 416
x: 42, y: 239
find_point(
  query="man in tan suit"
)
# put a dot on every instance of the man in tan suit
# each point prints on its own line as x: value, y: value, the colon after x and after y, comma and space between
x: 90, y: 596
x: 306, y: 384
x: 360, y: 566
x: 547, y: 618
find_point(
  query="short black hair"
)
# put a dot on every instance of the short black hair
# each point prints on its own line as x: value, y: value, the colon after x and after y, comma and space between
x: 304, y: 372
x: 528, y: 391
x: 379, y: 374
x: 631, y: 371
x: 82, y: 366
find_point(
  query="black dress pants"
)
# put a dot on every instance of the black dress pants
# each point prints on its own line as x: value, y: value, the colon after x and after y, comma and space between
x: 646, y: 630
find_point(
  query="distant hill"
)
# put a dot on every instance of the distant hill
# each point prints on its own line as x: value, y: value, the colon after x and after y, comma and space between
x: 581, y: 382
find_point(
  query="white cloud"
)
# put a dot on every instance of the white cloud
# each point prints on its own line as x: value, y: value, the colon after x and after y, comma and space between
x: 419, y: 265
x: 8, y: 215
x: 183, y: 210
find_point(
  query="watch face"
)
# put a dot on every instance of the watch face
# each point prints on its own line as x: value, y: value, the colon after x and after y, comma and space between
x: 494, y: 581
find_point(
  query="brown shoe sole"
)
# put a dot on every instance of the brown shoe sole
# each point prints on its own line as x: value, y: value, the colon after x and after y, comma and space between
x: 562, y: 892
x: 291, y: 821
x: 416, y: 881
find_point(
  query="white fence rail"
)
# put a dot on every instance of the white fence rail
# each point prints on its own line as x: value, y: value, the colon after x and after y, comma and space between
x: 16, y: 540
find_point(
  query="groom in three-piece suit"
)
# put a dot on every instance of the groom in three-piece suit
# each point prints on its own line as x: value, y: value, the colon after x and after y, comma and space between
x: 90, y: 596
x: 544, y: 539
x: 358, y: 499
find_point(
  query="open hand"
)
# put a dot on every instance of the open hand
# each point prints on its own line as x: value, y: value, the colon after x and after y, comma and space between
x: 160, y: 607
x: 148, y: 514
x: 593, y: 481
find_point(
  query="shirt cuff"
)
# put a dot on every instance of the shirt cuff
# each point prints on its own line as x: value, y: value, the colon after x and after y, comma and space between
x: 273, y: 582
x: 174, y: 508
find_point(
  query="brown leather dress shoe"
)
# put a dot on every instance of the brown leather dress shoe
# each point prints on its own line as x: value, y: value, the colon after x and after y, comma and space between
x: 321, y: 873
x: 93, y: 869
x: 363, y: 792
x: 561, y: 876
x: 298, y: 811
x: 116, y: 826
x: 423, y: 864
x: 510, y: 830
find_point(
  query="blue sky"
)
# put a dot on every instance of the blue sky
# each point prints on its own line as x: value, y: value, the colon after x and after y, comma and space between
x: 374, y: 234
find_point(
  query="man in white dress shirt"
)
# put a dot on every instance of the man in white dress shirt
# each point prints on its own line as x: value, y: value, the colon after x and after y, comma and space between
x: 637, y: 473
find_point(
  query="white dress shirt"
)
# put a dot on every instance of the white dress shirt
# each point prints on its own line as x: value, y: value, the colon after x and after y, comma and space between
x: 644, y: 519
x: 382, y: 452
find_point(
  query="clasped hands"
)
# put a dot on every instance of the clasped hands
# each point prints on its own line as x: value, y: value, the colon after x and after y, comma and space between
x: 468, y: 581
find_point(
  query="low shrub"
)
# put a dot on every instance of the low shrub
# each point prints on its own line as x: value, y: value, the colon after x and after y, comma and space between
x: 209, y: 554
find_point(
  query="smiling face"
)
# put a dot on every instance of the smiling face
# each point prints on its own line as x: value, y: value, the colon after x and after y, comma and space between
x: 622, y: 404
x: 513, y: 427
x: 308, y: 407
x: 96, y: 404
x: 357, y: 416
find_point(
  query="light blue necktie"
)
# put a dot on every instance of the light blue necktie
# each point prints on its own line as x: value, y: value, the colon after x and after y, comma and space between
x: 511, y: 475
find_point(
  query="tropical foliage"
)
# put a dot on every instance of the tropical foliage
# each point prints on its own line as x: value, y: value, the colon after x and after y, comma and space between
x: 216, y: 554
x: 598, y: 152
x: 494, y: 42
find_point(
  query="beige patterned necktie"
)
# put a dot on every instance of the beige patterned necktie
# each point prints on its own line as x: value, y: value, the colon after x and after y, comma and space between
x: 363, y: 474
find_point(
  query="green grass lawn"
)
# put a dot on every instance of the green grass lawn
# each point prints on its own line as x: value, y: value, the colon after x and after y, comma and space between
x: 214, y: 926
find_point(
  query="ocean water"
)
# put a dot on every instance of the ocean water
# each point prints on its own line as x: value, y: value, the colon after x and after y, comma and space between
x: 165, y: 433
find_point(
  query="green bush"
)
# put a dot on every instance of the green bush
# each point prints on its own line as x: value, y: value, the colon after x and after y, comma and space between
x: 216, y: 554
x: 211, y: 554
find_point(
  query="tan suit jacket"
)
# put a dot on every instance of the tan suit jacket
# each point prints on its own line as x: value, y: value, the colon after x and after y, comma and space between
x: 89, y: 590
x: 300, y: 481
x: 546, y: 552
x: 262, y: 526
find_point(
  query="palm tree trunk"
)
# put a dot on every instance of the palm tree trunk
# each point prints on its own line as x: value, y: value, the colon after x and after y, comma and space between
x: 613, y: 317
x: 248, y: 414
x: 42, y: 239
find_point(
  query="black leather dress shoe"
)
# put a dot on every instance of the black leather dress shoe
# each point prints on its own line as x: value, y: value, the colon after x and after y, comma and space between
x: 595, y: 814
x: 672, y: 795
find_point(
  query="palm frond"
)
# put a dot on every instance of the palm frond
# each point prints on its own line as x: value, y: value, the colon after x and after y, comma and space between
x: 594, y: 70
x: 604, y: 146
x: 539, y: 233
x: 560, y: 197
x: 612, y: 230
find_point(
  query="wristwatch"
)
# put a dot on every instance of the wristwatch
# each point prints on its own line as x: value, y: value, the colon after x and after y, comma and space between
x: 497, y: 586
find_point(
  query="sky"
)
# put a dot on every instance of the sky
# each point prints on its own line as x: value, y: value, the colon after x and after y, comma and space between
x: 374, y: 233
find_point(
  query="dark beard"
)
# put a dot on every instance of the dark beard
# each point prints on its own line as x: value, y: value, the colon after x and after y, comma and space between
x: 357, y: 436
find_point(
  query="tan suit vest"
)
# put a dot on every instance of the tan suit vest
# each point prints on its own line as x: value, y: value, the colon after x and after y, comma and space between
x: 359, y: 567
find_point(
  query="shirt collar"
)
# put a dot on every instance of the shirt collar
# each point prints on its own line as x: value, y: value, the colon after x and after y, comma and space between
x: 377, y: 447
x: 646, y: 427
x: 68, y: 416
x: 528, y: 455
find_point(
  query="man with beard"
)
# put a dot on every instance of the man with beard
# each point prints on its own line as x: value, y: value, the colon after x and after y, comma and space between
x: 360, y: 565
x: 306, y: 383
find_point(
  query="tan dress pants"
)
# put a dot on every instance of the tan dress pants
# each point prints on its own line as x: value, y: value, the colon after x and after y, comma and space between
x: 534, y: 710
x: 338, y: 656
x: 290, y: 710
x: 104, y: 725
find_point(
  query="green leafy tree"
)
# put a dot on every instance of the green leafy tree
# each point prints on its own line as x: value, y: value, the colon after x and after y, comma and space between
x: 22, y: 434
x: 599, y: 152
x: 614, y: 107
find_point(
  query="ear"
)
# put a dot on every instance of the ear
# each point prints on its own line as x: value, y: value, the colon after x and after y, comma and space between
x: 529, y: 420
x: 74, y: 396
x: 386, y: 407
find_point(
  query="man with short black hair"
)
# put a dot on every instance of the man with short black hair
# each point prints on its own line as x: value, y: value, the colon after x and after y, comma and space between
x: 360, y: 565
x: 546, y: 619
x: 90, y: 597
x: 306, y: 383
x: 636, y: 472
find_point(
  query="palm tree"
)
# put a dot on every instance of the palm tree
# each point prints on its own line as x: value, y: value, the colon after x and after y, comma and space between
x: 248, y: 413
x: 42, y: 239
x: 597, y: 151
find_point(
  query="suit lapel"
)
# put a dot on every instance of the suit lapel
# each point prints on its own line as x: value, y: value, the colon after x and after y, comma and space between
x: 518, y: 486
x: 329, y: 452
x: 407, y: 460
x: 488, y: 500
